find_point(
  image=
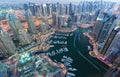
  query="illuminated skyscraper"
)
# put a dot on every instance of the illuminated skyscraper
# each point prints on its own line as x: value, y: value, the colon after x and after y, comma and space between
x: 24, y: 37
x: 17, y: 29
x: 70, y: 9
x: 66, y: 9
x: 14, y: 23
x: 70, y: 22
x: 111, y: 48
x: 55, y: 19
x: 114, y: 36
x: 61, y: 21
x: 54, y: 8
x: 35, y: 9
x: 38, y: 11
x: 29, y: 18
x: 94, y: 18
x: 32, y: 8
x: 49, y: 9
x: 61, y: 9
x: 106, y: 28
x: 6, y: 44
x: 44, y: 9
x: 80, y: 8
x: 44, y: 26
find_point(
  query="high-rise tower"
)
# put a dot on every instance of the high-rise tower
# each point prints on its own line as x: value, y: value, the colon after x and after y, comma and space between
x: 44, y: 9
x: 111, y: 47
x: 6, y: 44
x: 55, y: 19
x: 61, y: 21
x: 14, y: 23
x: 29, y: 18
x: 17, y: 29
x: 24, y: 37
x: 44, y: 26
x: 106, y: 28
x: 35, y: 9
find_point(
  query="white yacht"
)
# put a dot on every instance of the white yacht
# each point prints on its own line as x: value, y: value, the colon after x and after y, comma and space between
x: 67, y: 64
x: 89, y: 48
x: 51, y: 45
x: 72, y: 69
x: 71, y: 74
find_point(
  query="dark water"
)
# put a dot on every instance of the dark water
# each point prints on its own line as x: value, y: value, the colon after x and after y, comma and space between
x: 86, y: 65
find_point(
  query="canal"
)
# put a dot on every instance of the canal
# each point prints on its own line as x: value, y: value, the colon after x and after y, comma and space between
x: 86, y: 65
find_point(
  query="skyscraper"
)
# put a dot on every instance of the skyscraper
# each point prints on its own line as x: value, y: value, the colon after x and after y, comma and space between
x: 70, y: 9
x: 61, y: 9
x: 44, y: 26
x: 55, y: 19
x: 61, y: 21
x: 69, y: 22
x: 7, y: 46
x: 112, y: 54
x: 38, y: 11
x: 35, y: 9
x: 95, y: 15
x: 17, y: 29
x: 29, y: 18
x: 24, y: 37
x: 48, y: 9
x: 114, y: 36
x: 106, y: 28
x: 54, y: 7
x: 66, y: 9
x: 44, y: 9
x: 111, y: 48
x: 14, y: 23
x: 32, y: 8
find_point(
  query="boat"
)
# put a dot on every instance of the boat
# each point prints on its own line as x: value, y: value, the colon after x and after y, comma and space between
x: 67, y: 64
x: 72, y: 69
x: 69, y: 61
x: 62, y: 60
x: 89, y: 48
x: 68, y: 76
x: 71, y: 74
x: 51, y: 45
x: 71, y: 34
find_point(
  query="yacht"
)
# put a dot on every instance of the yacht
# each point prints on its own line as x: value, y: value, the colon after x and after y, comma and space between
x: 65, y: 57
x: 72, y: 69
x: 69, y: 61
x: 71, y: 34
x: 66, y: 49
x: 51, y: 45
x: 50, y: 41
x: 68, y: 76
x: 71, y: 74
x: 62, y: 60
x: 89, y: 48
x: 67, y: 64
